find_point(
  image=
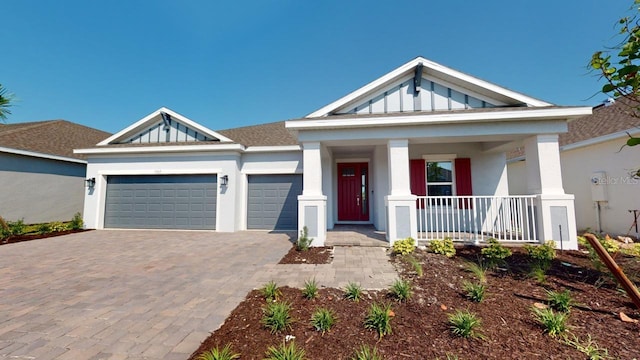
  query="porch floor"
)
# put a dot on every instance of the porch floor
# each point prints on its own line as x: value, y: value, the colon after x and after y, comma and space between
x: 355, y: 235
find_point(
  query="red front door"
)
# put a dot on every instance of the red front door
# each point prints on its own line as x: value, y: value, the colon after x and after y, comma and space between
x: 353, y: 189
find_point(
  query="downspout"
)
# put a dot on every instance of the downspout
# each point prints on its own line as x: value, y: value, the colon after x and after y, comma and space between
x: 598, y: 224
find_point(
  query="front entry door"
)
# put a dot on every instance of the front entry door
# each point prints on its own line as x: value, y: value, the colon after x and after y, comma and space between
x: 353, y: 189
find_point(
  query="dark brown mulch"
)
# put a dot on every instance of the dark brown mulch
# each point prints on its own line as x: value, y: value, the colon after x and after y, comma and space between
x: 314, y: 255
x: 29, y: 237
x: 420, y: 327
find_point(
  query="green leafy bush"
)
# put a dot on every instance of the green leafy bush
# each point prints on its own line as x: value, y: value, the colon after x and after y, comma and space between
x: 353, y: 292
x: 219, y: 354
x: 495, y: 253
x: 285, y: 352
x: 4, y: 229
x: 560, y: 300
x: 270, y: 291
x: 57, y: 226
x: 367, y: 353
x: 475, y: 291
x: 465, y: 324
x: 443, y: 247
x: 16, y: 227
x: 553, y: 323
x: 303, y: 242
x: 542, y: 255
x: 404, y: 247
x: 76, y: 223
x: 310, y: 289
x: 401, y: 290
x: 634, y: 250
x: 44, y: 228
x: 323, y: 319
x: 379, y: 319
x: 276, y: 316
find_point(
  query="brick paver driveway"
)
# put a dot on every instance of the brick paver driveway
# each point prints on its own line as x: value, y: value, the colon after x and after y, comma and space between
x: 125, y: 294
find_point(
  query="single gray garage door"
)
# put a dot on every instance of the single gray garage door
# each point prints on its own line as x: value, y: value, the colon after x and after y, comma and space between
x: 161, y: 202
x: 273, y: 202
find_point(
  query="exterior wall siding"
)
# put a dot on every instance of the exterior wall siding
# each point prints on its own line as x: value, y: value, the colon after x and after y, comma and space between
x: 40, y: 190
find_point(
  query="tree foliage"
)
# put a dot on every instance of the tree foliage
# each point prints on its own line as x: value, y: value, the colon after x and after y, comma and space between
x: 6, y: 100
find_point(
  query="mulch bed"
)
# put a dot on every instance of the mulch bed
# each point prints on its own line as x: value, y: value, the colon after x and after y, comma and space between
x: 420, y: 326
x: 314, y: 255
x: 29, y: 237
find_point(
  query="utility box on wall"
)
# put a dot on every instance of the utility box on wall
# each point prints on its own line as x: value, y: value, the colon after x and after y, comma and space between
x: 599, y: 186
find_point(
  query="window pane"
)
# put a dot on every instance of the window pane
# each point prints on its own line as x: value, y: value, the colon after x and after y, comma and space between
x: 439, y: 171
x: 348, y: 171
x: 439, y: 190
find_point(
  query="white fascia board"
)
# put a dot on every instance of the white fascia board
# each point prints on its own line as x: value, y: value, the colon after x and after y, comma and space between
x: 443, y: 118
x: 601, y: 139
x: 283, y: 148
x: 144, y: 122
x: 41, y: 155
x: 428, y: 64
x: 161, y: 149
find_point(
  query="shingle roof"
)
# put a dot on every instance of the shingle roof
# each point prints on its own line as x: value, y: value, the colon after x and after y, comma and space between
x: 52, y: 137
x: 271, y: 134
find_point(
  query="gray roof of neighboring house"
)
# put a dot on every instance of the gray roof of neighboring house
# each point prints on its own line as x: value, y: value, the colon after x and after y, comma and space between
x: 271, y: 134
x: 51, y: 137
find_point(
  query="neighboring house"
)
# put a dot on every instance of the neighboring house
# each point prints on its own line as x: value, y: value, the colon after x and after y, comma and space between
x: 597, y: 169
x: 420, y: 152
x: 41, y: 179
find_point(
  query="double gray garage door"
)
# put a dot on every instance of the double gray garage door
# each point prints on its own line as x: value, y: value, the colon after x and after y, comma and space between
x: 189, y: 202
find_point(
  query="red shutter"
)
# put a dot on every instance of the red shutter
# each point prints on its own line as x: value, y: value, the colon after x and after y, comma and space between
x: 417, y: 173
x: 463, y: 180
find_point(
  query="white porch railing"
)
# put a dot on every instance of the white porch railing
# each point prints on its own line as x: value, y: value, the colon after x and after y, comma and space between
x: 477, y: 218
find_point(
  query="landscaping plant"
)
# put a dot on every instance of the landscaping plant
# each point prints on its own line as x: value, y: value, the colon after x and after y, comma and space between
x: 367, y: 353
x: 444, y: 247
x: 303, y: 242
x: 479, y: 270
x: 353, y: 292
x: 560, y: 300
x: 542, y: 255
x: 44, y: 228
x: 415, y: 264
x: 16, y: 227
x: 4, y: 229
x: 495, y: 253
x: 219, y: 354
x: 379, y: 319
x: 401, y: 290
x: 404, y: 247
x: 475, y: 291
x: 554, y: 323
x: 588, y: 347
x: 270, y: 291
x: 57, y: 226
x: 465, y: 324
x: 285, y: 352
x: 310, y: 289
x: 76, y: 223
x: 323, y: 319
x: 276, y: 316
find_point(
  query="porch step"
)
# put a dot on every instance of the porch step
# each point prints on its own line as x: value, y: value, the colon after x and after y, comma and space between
x: 356, y: 235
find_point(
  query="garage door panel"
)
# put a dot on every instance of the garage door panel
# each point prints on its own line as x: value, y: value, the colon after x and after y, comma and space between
x: 161, y: 202
x: 272, y: 202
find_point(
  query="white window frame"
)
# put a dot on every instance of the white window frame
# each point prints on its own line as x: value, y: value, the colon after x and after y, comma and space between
x: 440, y: 158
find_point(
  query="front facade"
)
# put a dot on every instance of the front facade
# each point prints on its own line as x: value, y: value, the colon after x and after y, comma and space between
x: 419, y: 152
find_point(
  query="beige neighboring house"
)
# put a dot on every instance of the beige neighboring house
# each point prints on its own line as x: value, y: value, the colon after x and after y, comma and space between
x: 41, y: 179
x: 597, y: 169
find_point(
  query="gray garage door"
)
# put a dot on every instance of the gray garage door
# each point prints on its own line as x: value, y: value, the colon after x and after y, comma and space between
x: 273, y: 202
x: 161, y: 202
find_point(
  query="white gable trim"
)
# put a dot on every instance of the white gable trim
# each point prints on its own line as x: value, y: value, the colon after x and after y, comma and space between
x: 41, y: 155
x: 160, y: 149
x: 428, y: 64
x: 149, y: 120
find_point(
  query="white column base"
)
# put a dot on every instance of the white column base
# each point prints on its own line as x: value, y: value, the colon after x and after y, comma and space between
x: 401, y: 217
x: 312, y: 213
x: 557, y: 220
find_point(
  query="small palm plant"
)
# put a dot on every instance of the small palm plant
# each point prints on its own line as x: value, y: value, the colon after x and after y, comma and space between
x: 379, y: 319
x: 475, y: 291
x: 323, y: 319
x: 276, y: 316
x: 353, y: 291
x: 401, y: 290
x: 310, y: 290
x: 554, y: 323
x: 270, y: 291
x: 219, y: 354
x: 465, y: 324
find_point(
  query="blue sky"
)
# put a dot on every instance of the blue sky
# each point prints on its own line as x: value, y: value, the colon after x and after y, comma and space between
x: 226, y: 64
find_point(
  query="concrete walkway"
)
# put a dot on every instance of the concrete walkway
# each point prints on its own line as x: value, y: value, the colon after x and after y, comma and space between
x: 147, y: 294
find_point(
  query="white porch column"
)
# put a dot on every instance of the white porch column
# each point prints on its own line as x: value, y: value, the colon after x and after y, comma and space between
x: 312, y: 204
x: 555, y: 210
x: 400, y: 204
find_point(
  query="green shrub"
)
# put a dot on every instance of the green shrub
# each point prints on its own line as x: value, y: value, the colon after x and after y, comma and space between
x: 443, y: 247
x: 553, y: 323
x: 479, y: 270
x: 323, y: 319
x: 560, y: 301
x: 542, y: 255
x: 475, y: 292
x: 353, y: 292
x: 270, y: 291
x: 219, y: 354
x: 634, y: 250
x: 276, y: 316
x: 76, y: 223
x: 16, y: 227
x: 57, y: 226
x: 465, y: 324
x: 401, y: 290
x: 285, y: 352
x: 495, y: 253
x: 303, y: 242
x: 379, y: 319
x: 4, y: 229
x: 415, y: 264
x: 310, y: 289
x: 404, y: 247
x: 367, y: 353
x: 44, y: 228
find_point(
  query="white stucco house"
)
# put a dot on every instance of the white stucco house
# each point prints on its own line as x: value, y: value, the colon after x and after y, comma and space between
x: 597, y: 169
x: 420, y: 151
